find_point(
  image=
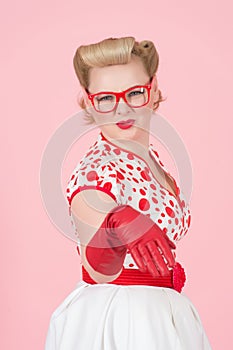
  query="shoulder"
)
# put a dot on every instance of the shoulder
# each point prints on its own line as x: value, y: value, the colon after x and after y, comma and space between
x: 96, y: 170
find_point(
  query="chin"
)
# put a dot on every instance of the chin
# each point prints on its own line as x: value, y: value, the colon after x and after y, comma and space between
x: 115, y: 132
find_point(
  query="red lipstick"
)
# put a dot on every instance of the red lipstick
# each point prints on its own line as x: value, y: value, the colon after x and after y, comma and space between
x: 125, y: 124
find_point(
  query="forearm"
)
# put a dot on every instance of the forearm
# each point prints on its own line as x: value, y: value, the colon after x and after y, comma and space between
x: 95, y: 275
x: 125, y: 228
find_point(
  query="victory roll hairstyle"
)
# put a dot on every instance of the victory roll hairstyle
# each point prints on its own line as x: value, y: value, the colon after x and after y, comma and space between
x: 113, y: 51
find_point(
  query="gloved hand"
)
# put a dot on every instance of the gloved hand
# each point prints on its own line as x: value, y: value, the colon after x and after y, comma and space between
x: 125, y: 228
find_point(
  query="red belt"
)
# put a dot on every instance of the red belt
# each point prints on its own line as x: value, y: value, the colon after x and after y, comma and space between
x: 175, y: 280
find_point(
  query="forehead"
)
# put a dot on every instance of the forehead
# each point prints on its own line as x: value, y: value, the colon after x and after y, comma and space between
x: 117, y: 77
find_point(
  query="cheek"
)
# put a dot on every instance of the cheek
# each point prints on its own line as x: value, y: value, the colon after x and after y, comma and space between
x: 103, y: 120
x: 105, y: 123
x: 143, y: 114
x: 111, y: 130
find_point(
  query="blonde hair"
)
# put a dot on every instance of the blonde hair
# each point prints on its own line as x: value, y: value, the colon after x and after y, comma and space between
x: 113, y: 51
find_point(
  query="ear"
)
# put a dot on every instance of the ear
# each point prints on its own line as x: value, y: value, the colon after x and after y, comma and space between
x: 155, y: 89
x: 155, y: 83
x: 156, y: 97
x: 84, y: 94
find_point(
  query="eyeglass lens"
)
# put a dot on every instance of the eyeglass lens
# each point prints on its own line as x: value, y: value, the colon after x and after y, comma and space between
x: 135, y: 97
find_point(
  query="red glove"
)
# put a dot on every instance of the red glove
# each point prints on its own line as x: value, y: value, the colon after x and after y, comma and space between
x: 125, y: 228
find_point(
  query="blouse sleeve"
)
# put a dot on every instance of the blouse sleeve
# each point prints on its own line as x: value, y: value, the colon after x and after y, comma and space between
x: 102, y: 178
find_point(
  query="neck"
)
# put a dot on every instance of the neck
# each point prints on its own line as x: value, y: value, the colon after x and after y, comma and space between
x: 139, y: 145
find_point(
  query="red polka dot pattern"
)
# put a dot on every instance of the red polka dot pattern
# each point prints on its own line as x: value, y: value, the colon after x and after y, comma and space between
x: 144, y: 204
x: 170, y: 212
x: 107, y: 186
x: 117, y: 151
x: 92, y: 175
x: 145, y: 175
x: 142, y: 191
x: 130, y: 156
x: 128, y: 179
x: 120, y: 176
x: 129, y: 166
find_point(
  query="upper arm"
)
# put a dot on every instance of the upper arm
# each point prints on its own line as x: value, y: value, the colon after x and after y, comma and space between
x: 89, y: 209
x: 92, y: 192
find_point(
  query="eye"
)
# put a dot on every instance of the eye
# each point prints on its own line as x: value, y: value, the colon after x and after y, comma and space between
x: 104, y: 98
x: 136, y: 92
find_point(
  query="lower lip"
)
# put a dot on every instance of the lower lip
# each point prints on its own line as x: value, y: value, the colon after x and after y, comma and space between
x: 125, y: 125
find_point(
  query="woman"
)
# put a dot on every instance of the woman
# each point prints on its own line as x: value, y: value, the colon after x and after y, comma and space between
x: 128, y: 213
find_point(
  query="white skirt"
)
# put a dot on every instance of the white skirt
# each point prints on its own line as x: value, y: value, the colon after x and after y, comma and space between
x: 125, y: 317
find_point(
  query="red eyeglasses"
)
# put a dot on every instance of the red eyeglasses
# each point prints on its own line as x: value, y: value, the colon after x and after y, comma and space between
x: 135, y: 97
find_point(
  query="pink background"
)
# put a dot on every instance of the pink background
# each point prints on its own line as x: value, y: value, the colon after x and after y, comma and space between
x: 39, y: 265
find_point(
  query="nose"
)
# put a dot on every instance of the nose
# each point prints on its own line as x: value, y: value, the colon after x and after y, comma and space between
x: 122, y: 107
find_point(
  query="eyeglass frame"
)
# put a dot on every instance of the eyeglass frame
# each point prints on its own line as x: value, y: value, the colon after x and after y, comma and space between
x: 120, y: 94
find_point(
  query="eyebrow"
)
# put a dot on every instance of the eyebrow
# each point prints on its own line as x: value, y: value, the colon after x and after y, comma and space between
x: 119, y: 91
